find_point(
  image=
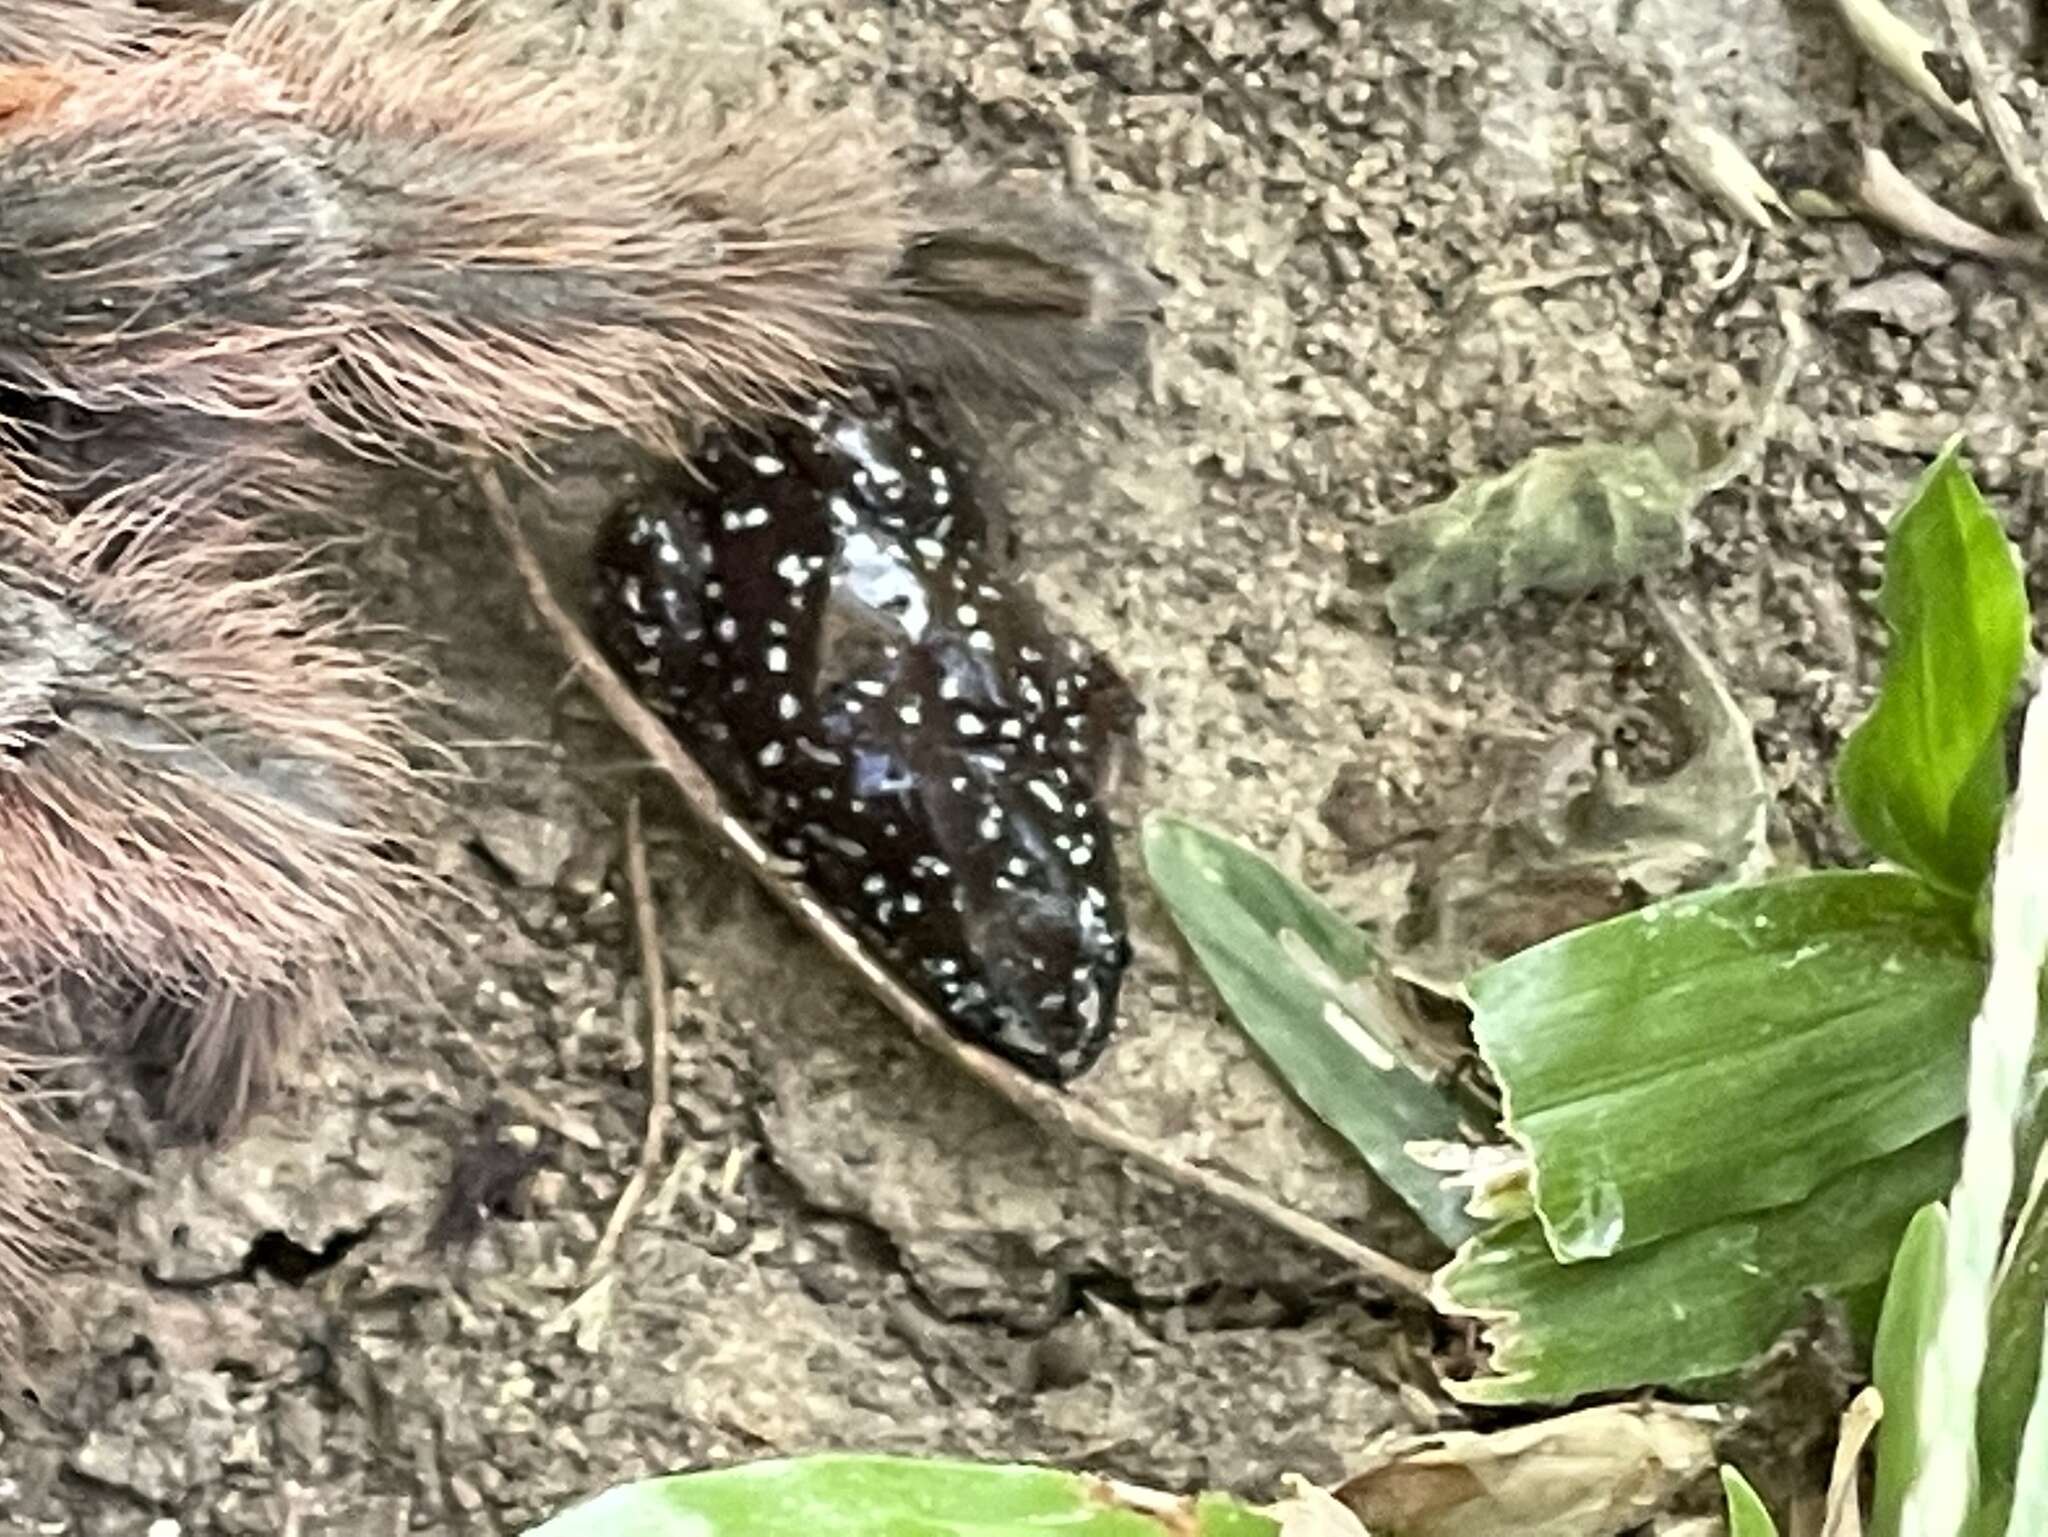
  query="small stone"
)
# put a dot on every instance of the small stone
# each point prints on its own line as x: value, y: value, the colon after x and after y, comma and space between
x: 300, y: 1429
x: 1858, y: 251
x: 1911, y: 301
x: 547, y: 1190
x: 122, y: 1462
x: 583, y: 874
x: 531, y: 849
x: 1065, y: 1358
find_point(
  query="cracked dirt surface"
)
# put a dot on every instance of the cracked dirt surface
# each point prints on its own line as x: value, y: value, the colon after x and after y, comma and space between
x: 1408, y: 243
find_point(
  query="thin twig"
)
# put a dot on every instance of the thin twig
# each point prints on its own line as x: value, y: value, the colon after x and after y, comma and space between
x: 1751, y: 444
x: 2008, y: 136
x: 653, y: 982
x: 1046, y: 1105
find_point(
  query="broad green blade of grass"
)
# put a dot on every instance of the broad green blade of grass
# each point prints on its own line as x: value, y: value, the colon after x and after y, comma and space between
x: 1728, y: 1051
x: 1923, y: 779
x: 1696, y: 1305
x: 1303, y: 985
x: 1943, y: 1495
x: 2012, y: 1371
x: 1911, y: 1302
x: 2030, y: 1487
x: 1746, y: 1514
x: 853, y: 1496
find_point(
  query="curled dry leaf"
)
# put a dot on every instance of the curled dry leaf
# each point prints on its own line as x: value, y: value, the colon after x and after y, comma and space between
x: 1886, y: 194
x: 1589, y: 1474
x: 1709, y: 819
x: 1716, y: 165
x: 1902, y: 49
x: 2018, y: 148
x: 1561, y: 838
x: 1572, y: 518
x: 1859, y: 1422
x: 1567, y: 520
x: 1310, y: 1511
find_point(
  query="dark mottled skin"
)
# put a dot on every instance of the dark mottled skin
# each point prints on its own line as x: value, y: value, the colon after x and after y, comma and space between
x: 815, y: 613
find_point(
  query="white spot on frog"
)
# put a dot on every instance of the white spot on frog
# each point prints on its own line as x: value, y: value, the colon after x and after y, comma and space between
x: 876, y: 577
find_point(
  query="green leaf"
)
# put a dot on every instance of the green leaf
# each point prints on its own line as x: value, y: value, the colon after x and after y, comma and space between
x: 1728, y: 1051
x: 1911, y: 1302
x: 2030, y: 1486
x: 1307, y: 988
x: 853, y: 1496
x: 1947, y: 1487
x: 1746, y: 1514
x: 1923, y: 779
x: 1696, y: 1305
x: 2012, y: 1374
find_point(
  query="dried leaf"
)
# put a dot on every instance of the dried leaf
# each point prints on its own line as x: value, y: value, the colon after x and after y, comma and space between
x: 1716, y: 165
x: 1709, y: 820
x: 1888, y: 195
x: 1844, y: 1512
x: 1309, y: 1511
x: 1588, y: 1474
x: 1902, y: 49
x: 1565, y: 520
x: 1564, y: 840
